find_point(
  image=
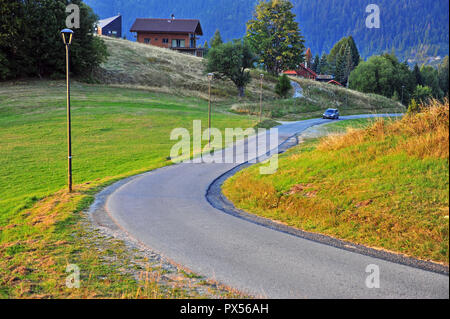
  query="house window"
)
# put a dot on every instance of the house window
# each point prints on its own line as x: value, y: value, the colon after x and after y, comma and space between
x: 156, y: 39
x: 147, y: 41
x: 165, y: 41
x: 178, y: 43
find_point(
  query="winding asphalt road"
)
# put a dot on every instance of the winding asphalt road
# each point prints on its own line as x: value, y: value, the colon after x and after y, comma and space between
x: 166, y: 210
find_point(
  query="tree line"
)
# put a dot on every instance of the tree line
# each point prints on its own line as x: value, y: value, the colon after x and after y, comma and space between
x: 386, y: 75
x: 413, y: 28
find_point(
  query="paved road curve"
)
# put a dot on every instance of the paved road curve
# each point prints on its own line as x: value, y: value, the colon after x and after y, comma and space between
x: 166, y: 209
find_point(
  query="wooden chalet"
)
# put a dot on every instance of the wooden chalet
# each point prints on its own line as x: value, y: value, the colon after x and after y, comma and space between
x: 176, y: 34
x: 302, y: 72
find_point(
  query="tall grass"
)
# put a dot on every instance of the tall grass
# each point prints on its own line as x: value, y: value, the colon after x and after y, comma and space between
x: 137, y: 65
x: 424, y: 134
x: 386, y: 186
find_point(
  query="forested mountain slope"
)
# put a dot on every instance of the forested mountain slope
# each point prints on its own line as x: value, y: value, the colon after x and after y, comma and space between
x: 409, y: 27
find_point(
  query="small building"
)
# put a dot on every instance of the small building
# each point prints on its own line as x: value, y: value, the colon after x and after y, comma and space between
x: 176, y: 34
x: 305, y: 72
x: 302, y: 72
x: 111, y: 27
x: 324, y: 78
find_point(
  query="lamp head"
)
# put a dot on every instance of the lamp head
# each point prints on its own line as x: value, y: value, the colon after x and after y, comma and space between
x: 67, y: 35
x: 210, y: 76
x: 261, y: 76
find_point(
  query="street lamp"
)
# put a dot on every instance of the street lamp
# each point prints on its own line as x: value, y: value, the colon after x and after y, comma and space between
x: 261, y: 76
x: 67, y: 35
x: 210, y: 78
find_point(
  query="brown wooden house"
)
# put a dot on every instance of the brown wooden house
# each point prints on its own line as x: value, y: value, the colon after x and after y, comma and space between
x: 176, y: 34
x: 302, y: 72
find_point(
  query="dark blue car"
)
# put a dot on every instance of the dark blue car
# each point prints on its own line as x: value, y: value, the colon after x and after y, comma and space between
x: 331, y: 114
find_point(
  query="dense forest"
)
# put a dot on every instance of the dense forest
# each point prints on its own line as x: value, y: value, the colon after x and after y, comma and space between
x: 413, y: 29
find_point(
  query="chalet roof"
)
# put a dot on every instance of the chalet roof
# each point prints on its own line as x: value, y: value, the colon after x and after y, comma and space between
x: 104, y: 22
x: 308, y: 70
x: 334, y: 82
x: 167, y: 26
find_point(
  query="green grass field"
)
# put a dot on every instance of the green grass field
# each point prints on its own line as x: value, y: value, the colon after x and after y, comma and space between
x: 385, y: 186
x: 116, y: 133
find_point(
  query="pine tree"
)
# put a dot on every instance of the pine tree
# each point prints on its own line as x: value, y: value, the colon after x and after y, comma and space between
x: 323, y: 65
x: 339, y: 50
x: 283, y: 86
x: 354, y: 51
x: 417, y: 75
x: 348, y: 65
x: 443, y: 75
x: 275, y: 36
x: 316, y: 64
x: 216, y: 40
x: 340, y: 69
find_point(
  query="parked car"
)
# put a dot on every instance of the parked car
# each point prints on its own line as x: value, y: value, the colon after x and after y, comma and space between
x: 331, y: 114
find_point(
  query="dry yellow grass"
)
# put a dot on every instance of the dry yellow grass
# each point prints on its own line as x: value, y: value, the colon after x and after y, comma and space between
x: 426, y: 133
x: 133, y: 64
x: 386, y: 186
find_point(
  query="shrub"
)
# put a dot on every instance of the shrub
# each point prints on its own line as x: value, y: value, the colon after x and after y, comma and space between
x: 283, y: 86
x: 413, y: 107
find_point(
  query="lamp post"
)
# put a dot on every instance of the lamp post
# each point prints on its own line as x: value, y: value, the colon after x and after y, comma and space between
x: 67, y: 35
x: 261, y: 76
x: 210, y: 78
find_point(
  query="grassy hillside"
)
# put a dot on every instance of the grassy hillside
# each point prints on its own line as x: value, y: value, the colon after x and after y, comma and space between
x: 136, y: 65
x: 317, y: 98
x: 385, y: 186
x: 116, y: 133
x: 163, y: 70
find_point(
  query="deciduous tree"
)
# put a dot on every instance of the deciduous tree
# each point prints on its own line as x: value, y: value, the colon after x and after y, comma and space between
x: 275, y: 36
x: 232, y: 60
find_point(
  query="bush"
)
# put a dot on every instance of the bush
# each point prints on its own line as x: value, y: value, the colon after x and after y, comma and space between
x: 413, y: 107
x: 283, y: 86
x: 422, y: 93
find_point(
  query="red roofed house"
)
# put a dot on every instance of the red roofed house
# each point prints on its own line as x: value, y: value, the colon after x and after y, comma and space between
x: 175, y: 34
x: 303, y: 72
